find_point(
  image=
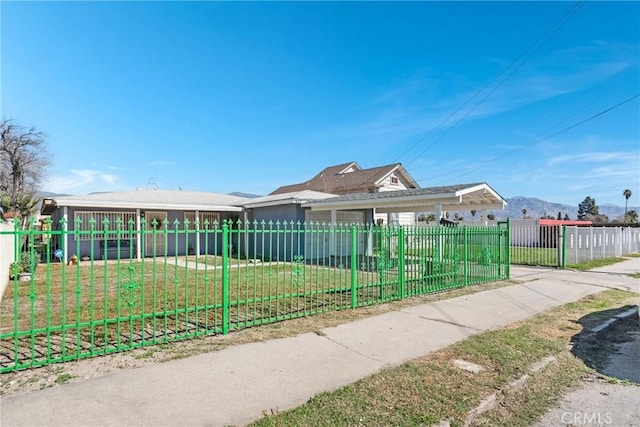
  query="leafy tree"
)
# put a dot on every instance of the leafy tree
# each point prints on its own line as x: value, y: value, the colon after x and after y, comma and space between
x: 23, y: 160
x: 587, y: 207
x: 524, y: 213
x: 632, y: 216
x: 626, y: 193
x: 566, y: 217
x: 559, y: 215
x: 599, y: 218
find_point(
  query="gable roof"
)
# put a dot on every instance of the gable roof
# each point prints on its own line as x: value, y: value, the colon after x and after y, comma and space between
x: 336, y: 179
x: 450, y: 198
x: 148, y: 199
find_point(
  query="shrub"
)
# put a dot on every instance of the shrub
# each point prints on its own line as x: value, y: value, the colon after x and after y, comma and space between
x: 25, y: 261
x: 13, y: 267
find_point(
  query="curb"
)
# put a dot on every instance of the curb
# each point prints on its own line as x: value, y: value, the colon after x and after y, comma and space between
x: 492, y: 400
x: 614, y: 319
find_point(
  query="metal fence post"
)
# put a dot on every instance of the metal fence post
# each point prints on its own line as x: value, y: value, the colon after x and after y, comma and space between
x: 225, y: 278
x: 354, y: 267
x: 465, y: 249
x: 563, y: 241
x: 401, y: 263
x: 508, y: 248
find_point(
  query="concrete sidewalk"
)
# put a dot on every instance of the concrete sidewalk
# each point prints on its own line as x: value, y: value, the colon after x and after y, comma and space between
x: 234, y: 386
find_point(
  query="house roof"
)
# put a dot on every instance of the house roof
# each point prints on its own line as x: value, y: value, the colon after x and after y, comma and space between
x: 295, y: 197
x: 149, y: 199
x: 337, y: 179
x: 450, y: 198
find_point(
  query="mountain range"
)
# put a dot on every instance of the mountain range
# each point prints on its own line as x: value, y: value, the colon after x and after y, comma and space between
x: 537, y: 208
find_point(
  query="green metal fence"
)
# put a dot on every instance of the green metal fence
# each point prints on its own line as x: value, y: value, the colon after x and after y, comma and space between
x: 245, y: 275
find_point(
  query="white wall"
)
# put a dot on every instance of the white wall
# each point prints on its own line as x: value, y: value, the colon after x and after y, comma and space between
x: 7, y: 255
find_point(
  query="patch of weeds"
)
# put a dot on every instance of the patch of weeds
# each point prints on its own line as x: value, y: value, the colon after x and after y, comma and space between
x: 635, y: 275
x: 149, y: 353
x: 588, y: 265
x: 63, y: 378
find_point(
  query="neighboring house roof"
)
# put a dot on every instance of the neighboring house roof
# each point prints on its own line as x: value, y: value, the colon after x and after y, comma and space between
x: 450, y: 198
x: 149, y: 199
x: 295, y: 197
x: 350, y: 178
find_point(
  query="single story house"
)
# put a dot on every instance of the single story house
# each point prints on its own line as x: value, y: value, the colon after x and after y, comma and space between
x: 125, y: 211
x: 363, y: 196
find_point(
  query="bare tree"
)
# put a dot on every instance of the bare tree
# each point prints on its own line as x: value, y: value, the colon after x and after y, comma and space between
x: 23, y: 160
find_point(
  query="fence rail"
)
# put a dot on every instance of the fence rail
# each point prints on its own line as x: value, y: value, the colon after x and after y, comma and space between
x: 242, y: 275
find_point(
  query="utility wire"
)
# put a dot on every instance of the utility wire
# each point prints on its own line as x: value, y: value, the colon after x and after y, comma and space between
x: 542, y: 138
x: 522, y: 59
x: 561, y: 122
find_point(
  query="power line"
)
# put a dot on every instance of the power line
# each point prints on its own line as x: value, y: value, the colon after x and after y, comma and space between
x: 567, y: 118
x: 543, y: 138
x: 523, y: 58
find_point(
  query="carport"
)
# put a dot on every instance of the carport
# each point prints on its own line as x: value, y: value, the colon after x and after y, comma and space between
x: 452, y: 198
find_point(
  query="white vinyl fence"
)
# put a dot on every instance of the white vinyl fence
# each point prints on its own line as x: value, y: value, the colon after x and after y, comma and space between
x: 589, y: 243
x: 534, y: 244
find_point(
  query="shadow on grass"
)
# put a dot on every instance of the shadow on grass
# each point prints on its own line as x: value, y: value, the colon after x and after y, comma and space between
x: 596, y: 349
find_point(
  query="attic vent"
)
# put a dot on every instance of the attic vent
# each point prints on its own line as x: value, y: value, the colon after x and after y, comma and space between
x: 394, y: 179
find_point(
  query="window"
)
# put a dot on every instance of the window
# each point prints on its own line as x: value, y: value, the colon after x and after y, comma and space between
x: 84, y: 221
x: 394, y: 180
x: 213, y: 219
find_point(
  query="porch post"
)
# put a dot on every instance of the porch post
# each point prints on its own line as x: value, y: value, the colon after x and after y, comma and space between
x: 65, y: 233
x: 245, y: 219
x: 484, y: 217
x: 138, y: 236
x: 438, y: 213
x: 197, y: 248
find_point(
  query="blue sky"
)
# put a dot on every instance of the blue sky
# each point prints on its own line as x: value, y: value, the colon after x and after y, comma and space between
x: 249, y: 96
